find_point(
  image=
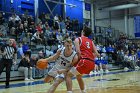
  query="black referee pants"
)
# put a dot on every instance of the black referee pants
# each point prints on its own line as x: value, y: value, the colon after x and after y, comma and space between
x: 8, y: 64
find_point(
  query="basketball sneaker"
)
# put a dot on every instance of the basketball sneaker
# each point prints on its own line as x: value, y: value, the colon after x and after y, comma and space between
x: 83, y: 91
x: 126, y: 69
x: 26, y: 79
x: 106, y: 71
x: 31, y: 79
x: 137, y: 67
x: 91, y: 73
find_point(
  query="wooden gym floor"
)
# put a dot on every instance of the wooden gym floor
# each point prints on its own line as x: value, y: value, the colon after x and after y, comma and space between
x: 114, y: 82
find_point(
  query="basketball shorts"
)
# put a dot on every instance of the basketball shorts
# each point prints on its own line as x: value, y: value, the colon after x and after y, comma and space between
x: 53, y: 72
x: 84, y: 66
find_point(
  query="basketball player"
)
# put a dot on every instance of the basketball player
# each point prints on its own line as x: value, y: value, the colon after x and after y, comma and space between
x: 87, y: 52
x: 65, y: 58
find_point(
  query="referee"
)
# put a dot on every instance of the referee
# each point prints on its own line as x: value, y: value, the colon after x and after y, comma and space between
x: 8, y: 53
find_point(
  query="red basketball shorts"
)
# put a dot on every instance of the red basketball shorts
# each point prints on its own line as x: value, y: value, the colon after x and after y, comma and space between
x: 85, y: 66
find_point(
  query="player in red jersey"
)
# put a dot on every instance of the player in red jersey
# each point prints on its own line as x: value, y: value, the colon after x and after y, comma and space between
x: 87, y: 52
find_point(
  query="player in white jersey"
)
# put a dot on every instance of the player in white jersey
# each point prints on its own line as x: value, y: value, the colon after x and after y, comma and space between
x: 63, y: 62
x: 65, y: 58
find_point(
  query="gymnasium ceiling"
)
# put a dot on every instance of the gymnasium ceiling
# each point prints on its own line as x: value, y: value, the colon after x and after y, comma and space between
x: 111, y: 3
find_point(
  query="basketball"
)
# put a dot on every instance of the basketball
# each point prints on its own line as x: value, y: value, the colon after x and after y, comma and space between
x: 42, y: 64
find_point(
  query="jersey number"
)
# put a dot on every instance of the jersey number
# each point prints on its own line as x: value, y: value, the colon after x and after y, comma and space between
x: 63, y: 63
x: 88, y: 44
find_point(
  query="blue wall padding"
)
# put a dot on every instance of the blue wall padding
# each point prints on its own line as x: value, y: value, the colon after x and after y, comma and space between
x: 75, y: 12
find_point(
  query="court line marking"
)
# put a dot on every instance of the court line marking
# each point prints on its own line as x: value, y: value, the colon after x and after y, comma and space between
x: 31, y: 83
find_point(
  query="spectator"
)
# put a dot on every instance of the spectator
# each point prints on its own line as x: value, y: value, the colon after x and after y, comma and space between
x: 33, y: 61
x: 63, y: 26
x: 39, y: 27
x: 126, y: 61
x: 133, y: 59
x: 25, y: 48
x: 1, y: 18
x: 26, y: 67
x: 36, y: 38
x: 40, y: 73
x: 20, y: 53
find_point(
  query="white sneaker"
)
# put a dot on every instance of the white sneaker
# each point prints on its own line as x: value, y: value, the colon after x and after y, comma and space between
x: 136, y: 67
x: 26, y: 79
x: 91, y: 73
x: 106, y: 71
x: 126, y: 69
x: 69, y: 91
x: 31, y: 79
x: 83, y: 91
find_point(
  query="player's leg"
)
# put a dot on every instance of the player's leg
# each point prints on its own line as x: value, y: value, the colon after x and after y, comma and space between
x: 51, y: 75
x: 48, y: 79
x: 85, y: 66
x: 69, y: 76
x: 81, y: 83
x: 55, y: 85
x: 69, y: 82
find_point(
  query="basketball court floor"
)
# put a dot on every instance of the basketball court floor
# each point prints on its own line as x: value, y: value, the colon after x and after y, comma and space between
x: 117, y: 81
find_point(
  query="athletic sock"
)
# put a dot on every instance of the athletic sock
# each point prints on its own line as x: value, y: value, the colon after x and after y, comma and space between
x: 83, y: 91
x: 69, y: 91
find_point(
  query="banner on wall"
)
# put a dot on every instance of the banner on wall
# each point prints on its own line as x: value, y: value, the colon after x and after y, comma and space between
x: 137, y: 26
x: 87, y: 11
x: 86, y: 14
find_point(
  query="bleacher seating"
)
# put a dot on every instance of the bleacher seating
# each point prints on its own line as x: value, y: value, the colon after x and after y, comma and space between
x: 17, y: 75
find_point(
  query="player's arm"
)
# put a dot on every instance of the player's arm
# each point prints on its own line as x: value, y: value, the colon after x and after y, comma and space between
x: 75, y: 60
x: 95, y: 50
x: 77, y: 46
x: 54, y: 57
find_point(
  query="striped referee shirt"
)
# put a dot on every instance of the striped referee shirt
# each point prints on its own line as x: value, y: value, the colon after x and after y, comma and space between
x: 10, y: 51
